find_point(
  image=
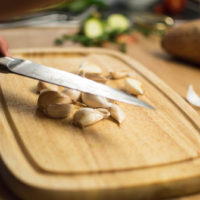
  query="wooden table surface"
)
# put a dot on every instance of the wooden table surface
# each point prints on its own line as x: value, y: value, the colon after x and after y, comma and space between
x: 175, y: 73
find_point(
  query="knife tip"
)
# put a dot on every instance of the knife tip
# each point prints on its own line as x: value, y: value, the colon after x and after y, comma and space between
x: 149, y: 106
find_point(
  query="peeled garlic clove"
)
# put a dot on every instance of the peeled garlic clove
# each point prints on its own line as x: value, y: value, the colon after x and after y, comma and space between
x: 133, y: 86
x: 96, y: 77
x: 118, y: 74
x: 59, y: 110
x: 117, y: 113
x: 52, y: 97
x: 192, y: 97
x: 43, y: 85
x: 73, y: 94
x: 86, y: 117
x: 89, y: 68
x: 94, y: 101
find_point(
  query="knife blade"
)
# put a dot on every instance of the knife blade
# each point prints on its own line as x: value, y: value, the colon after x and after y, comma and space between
x: 65, y: 79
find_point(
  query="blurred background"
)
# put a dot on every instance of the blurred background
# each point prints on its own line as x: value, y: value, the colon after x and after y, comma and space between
x: 178, y: 9
x: 146, y: 16
x: 182, y: 9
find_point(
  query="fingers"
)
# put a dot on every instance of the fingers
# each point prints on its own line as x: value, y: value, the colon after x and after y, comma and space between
x: 4, y: 51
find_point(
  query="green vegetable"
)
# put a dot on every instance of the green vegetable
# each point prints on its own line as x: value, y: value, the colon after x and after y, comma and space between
x: 58, y: 41
x: 95, y: 31
x: 93, y: 28
x: 77, y: 6
x: 118, y: 22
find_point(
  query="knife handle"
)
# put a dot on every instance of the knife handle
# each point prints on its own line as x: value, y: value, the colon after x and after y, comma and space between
x: 6, y: 63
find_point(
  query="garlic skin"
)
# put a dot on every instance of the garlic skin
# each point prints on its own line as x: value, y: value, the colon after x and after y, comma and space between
x: 43, y: 85
x: 73, y: 94
x: 52, y: 97
x: 117, y: 113
x: 192, y: 97
x: 59, y: 110
x: 87, y: 116
x: 133, y: 86
x: 94, y: 101
x: 89, y: 68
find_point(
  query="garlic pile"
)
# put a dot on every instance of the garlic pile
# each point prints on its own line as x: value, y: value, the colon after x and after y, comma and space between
x: 61, y: 103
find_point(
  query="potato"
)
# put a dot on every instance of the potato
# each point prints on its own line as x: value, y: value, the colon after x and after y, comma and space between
x: 184, y: 41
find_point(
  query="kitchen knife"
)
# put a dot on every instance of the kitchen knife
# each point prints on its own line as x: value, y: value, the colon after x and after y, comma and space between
x: 65, y: 79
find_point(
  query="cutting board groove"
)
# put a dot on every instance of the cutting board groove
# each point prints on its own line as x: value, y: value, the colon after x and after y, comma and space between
x: 151, y: 150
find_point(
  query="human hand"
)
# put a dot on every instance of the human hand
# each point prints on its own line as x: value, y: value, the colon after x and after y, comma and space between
x: 4, y: 51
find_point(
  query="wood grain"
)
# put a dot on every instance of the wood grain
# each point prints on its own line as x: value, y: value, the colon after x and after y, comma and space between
x: 151, y: 151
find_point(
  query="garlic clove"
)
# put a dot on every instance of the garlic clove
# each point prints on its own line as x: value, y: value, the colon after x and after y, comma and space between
x: 86, y: 117
x: 118, y: 74
x: 89, y: 68
x: 73, y: 94
x: 52, y: 97
x: 43, y: 85
x: 192, y: 97
x: 133, y: 86
x: 44, y: 90
x: 58, y: 110
x: 94, y: 101
x: 80, y: 104
x: 117, y: 113
x: 96, y: 77
x: 104, y: 112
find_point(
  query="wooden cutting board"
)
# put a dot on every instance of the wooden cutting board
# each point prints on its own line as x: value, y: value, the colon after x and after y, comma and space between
x: 152, y: 154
